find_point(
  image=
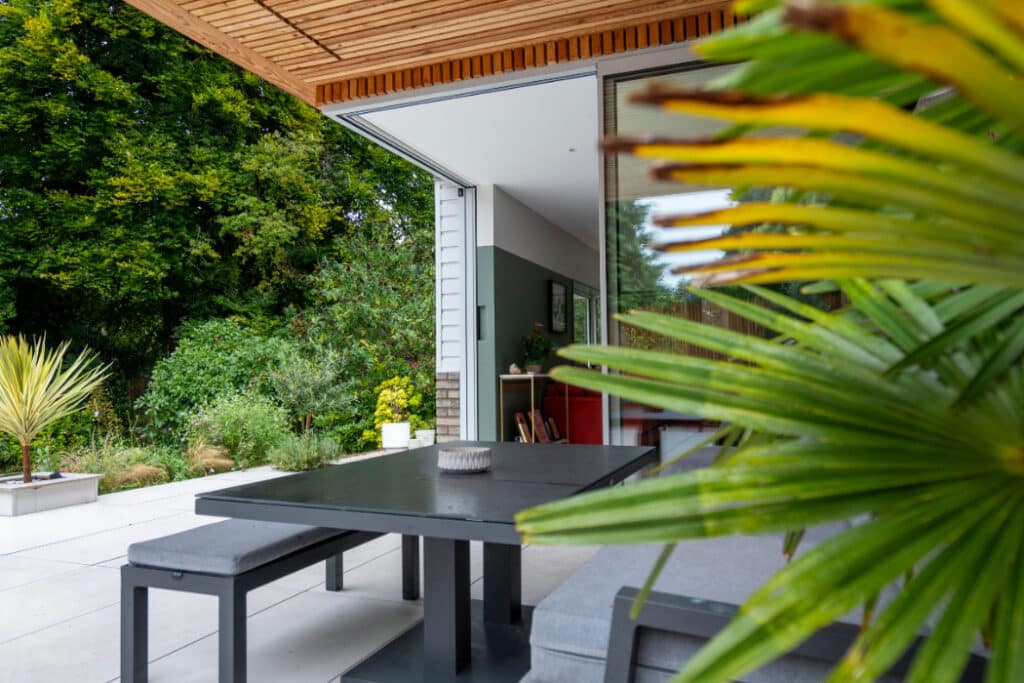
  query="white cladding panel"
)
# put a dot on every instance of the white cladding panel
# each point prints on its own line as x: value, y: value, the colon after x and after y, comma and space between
x: 450, y: 216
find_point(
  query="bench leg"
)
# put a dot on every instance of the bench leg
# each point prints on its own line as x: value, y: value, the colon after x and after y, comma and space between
x: 231, y: 635
x: 335, y: 572
x: 134, y: 632
x: 410, y: 567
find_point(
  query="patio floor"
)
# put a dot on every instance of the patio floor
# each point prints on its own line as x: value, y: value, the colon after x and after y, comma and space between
x: 60, y: 594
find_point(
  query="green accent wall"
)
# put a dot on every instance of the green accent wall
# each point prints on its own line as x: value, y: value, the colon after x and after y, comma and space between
x: 512, y: 294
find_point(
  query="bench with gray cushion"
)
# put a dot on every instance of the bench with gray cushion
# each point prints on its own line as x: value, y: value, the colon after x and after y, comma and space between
x: 228, y: 559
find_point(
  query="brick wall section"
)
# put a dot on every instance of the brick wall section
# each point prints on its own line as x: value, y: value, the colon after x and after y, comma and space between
x: 448, y: 402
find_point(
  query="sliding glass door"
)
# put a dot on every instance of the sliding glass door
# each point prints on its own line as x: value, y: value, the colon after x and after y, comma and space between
x: 638, y: 276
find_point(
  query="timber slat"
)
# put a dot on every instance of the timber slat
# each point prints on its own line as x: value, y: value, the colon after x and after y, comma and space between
x: 339, y: 50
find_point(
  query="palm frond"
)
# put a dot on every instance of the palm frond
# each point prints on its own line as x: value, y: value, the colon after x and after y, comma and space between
x: 905, y: 404
x: 849, y: 439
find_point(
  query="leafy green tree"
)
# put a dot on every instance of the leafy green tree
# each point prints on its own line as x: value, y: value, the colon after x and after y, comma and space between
x: 144, y: 180
x: 637, y: 269
x: 374, y: 306
x: 308, y: 384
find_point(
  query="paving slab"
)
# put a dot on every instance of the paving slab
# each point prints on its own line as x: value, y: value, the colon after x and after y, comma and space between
x: 53, y: 526
x: 16, y: 570
x: 309, y: 638
x: 105, y: 545
x: 86, y: 648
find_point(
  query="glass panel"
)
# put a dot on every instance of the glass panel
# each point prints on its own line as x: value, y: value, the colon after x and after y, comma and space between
x: 582, y: 332
x: 638, y: 276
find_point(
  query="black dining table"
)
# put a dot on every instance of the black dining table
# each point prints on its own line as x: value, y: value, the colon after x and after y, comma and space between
x: 406, y: 493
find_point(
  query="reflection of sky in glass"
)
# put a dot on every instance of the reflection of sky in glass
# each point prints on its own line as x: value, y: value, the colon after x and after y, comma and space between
x: 687, y: 202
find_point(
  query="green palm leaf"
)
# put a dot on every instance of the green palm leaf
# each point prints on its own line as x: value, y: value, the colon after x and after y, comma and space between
x: 838, y: 452
x: 908, y: 403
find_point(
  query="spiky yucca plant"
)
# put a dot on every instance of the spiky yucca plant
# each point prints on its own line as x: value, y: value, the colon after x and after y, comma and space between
x: 907, y: 405
x: 35, y: 391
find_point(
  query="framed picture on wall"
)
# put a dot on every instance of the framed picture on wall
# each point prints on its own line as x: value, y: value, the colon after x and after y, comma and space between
x: 559, y: 307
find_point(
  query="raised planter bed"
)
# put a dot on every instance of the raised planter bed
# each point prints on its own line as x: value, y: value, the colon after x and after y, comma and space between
x: 17, y: 498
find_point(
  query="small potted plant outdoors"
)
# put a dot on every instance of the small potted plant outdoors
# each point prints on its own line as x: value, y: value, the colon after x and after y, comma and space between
x: 536, y: 349
x: 36, y: 391
x: 394, y: 418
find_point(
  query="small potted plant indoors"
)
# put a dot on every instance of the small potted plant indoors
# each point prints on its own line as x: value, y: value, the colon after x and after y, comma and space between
x: 536, y: 349
x: 36, y: 391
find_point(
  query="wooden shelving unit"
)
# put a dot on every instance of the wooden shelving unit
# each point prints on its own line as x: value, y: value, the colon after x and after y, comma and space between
x: 535, y: 381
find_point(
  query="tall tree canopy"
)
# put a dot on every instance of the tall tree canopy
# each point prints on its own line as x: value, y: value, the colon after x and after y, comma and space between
x: 144, y: 180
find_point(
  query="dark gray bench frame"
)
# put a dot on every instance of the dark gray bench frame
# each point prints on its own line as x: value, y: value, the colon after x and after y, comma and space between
x: 136, y: 580
x: 705, y: 618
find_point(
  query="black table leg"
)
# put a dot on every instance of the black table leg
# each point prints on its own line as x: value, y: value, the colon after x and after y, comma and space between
x: 446, y: 618
x: 502, y: 583
x: 410, y: 567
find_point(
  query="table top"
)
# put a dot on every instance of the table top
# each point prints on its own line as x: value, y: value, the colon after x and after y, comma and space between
x: 406, y: 493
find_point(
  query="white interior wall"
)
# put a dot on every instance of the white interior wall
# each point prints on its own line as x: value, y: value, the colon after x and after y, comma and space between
x: 506, y: 223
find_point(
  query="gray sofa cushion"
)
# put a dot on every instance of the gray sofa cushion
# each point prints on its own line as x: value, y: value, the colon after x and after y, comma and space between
x: 226, y: 548
x: 569, y: 637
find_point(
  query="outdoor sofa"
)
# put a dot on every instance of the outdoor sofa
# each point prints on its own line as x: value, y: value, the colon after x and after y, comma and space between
x: 581, y: 632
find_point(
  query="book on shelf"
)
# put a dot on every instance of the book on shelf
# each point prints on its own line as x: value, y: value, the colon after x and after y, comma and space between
x: 539, y: 427
x: 523, y: 427
x: 553, y: 429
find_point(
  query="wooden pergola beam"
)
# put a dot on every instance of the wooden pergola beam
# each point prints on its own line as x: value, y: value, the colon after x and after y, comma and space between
x: 170, y: 13
x: 336, y: 50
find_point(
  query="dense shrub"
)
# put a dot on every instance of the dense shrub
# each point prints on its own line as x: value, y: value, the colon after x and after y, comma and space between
x: 308, y: 384
x: 212, y: 359
x: 123, y: 465
x: 247, y: 424
x: 398, y: 400
x: 372, y: 302
x: 306, y: 451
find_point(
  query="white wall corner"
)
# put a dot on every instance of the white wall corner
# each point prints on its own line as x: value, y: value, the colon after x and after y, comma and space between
x: 520, y: 230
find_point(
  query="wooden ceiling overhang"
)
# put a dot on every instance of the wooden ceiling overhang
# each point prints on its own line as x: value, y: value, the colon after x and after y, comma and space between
x: 326, y: 51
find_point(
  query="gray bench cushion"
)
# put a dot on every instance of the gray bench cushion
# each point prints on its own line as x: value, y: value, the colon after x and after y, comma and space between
x: 226, y: 548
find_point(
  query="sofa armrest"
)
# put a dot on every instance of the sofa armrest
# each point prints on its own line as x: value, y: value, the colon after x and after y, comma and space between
x: 705, y: 618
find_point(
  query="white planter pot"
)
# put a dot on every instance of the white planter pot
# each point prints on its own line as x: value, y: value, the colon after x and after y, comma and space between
x: 394, y: 434
x: 17, y: 498
x: 425, y: 437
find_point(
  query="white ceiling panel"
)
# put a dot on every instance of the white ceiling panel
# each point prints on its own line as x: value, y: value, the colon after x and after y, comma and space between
x: 537, y: 142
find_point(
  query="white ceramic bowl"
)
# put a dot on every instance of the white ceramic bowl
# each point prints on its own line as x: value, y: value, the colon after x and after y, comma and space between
x: 464, y: 459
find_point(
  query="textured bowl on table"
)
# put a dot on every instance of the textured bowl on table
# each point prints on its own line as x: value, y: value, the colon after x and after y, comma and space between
x: 464, y: 459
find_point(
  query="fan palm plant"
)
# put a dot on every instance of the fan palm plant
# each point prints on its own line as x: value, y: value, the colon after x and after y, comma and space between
x: 907, y: 405
x: 35, y: 390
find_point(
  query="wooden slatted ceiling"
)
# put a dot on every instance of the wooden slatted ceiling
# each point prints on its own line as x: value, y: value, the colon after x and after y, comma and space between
x: 336, y: 50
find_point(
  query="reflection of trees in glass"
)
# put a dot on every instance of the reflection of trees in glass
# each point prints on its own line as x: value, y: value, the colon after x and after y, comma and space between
x: 826, y: 301
x: 640, y: 284
x: 580, y: 319
x: 638, y: 268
